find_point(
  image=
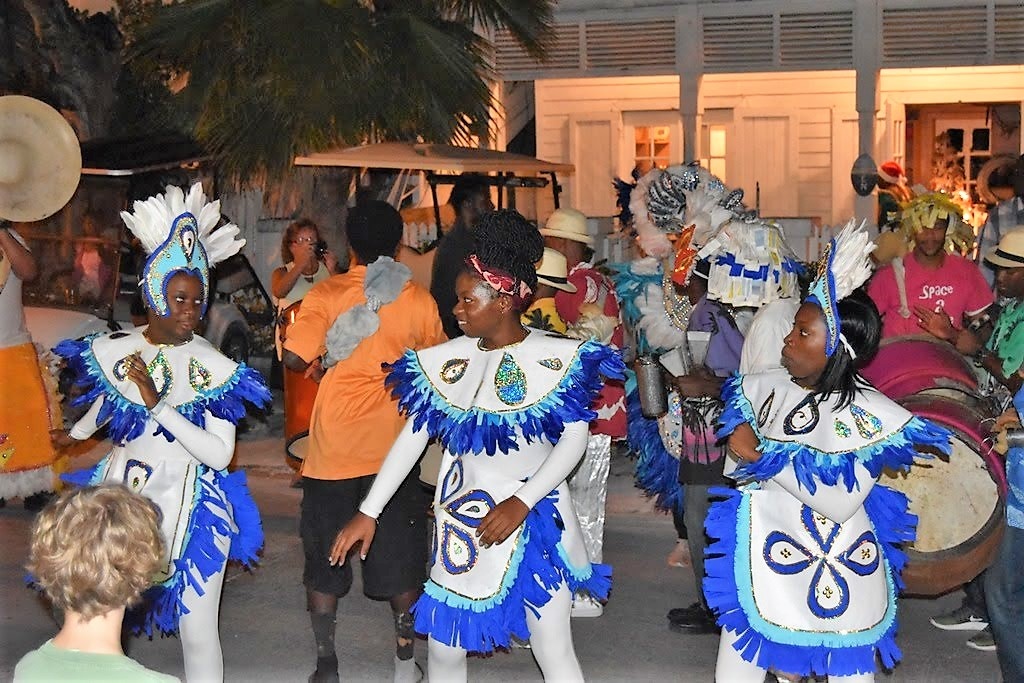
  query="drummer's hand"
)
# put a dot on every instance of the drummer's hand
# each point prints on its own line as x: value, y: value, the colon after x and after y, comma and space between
x: 315, y: 371
x: 360, y: 529
x: 501, y: 521
x: 61, y: 439
x: 743, y: 442
x: 1008, y: 420
x: 936, y: 323
x: 138, y: 373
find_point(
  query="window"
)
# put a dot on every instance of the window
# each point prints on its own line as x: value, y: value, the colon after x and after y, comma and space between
x: 652, y: 147
x: 716, y: 151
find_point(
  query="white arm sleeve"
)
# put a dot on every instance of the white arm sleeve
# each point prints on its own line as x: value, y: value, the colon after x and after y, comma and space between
x: 398, y: 463
x: 87, y: 425
x: 835, y: 502
x: 212, y: 446
x: 557, y: 466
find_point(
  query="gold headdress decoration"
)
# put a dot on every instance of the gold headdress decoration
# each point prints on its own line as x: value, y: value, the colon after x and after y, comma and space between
x: 924, y: 210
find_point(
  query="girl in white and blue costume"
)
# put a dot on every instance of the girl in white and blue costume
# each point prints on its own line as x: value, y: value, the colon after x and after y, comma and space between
x: 511, y: 408
x: 806, y: 559
x: 175, y: 452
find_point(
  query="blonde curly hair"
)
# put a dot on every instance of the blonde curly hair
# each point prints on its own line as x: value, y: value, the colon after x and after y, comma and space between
x: 96, y: 549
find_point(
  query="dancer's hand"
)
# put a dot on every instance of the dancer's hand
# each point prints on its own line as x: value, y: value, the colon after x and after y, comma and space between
x: 61, y: 439
x: 360, y: 529
x: 139, y: 374
x: 501, y: 521
x: 743, y: 442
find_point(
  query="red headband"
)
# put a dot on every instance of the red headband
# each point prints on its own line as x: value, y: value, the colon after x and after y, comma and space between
x: 499, y: 280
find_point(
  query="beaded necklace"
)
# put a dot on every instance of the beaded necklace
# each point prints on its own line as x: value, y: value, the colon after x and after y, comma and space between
x: 677, y: 307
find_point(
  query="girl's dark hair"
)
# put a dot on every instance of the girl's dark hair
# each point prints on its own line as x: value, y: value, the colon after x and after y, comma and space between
x: 289, y: 234
x: 508, y: 242
x: 861, y: 324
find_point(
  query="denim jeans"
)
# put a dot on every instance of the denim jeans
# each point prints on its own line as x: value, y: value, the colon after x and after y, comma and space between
x: 1004, y: 593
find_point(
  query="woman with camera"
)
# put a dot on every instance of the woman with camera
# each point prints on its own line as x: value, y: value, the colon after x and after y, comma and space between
x: 307, y: 261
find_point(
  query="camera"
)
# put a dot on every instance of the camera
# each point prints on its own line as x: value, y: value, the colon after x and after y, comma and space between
x: 320, y: 248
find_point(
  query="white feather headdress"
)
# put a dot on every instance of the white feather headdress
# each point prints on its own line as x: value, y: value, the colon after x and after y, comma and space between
x: 843, y: 267
x: 179, y: 232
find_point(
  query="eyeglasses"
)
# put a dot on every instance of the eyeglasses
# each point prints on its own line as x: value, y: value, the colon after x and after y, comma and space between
x: 304, y: 240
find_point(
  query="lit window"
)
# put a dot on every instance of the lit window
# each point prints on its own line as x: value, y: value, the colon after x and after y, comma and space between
x: 716, y: 151
x: 652, y: 147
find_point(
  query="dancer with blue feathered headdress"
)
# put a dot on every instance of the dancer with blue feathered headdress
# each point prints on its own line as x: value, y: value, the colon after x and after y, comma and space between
x: 805, y: 566
x: 170, y: 402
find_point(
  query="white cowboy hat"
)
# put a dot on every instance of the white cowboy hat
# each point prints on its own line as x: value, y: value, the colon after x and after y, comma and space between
x: 554, y: 271
x: 568, y: 223
x: 40, y: 160
x: 1009, y: 253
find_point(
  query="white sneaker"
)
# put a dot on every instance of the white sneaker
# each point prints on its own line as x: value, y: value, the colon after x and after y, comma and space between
x: 586, y: 606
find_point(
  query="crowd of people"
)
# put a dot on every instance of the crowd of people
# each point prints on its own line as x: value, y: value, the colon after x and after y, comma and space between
x: 768, y: 448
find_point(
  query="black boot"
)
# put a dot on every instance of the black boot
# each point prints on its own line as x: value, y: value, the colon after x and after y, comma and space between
x: 695, y: 619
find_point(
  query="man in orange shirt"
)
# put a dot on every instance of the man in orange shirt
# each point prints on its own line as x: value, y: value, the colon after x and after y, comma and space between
x: 348, y: 326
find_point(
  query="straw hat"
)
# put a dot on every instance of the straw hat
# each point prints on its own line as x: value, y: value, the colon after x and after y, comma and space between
x: 40, y: 160
x: 1009, y: 253
x: 568, y: 223
x: 554, y: 271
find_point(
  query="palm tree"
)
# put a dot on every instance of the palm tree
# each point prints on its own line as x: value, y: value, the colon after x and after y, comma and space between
x: 266, y: 80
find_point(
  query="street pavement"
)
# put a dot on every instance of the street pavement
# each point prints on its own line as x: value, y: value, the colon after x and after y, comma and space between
x: 266, y: 635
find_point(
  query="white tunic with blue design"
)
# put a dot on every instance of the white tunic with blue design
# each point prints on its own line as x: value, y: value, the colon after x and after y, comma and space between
x: 513, y: 422
x: 175, y: 455
x: 806, y: 565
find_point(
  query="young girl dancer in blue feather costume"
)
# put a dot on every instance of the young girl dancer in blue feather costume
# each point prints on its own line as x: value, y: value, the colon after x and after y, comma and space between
x: 170, y: 401
x: 807, y: 563
x: 511, y: 408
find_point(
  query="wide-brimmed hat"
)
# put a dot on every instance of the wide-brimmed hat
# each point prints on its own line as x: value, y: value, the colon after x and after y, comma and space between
x: 1009, y: 253
x: 554, y: 271
x: 40, y: 160
x: 568, y: 223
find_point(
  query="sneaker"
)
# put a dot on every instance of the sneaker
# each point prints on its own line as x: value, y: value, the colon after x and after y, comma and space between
x: 680, y: 613
x: 983, y: 640
x: 700, y: 622
x: 960, y: 619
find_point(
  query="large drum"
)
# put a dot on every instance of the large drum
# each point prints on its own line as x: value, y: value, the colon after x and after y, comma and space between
x: 908, y: 365
x: 958, y: 501
x: 299, y: 395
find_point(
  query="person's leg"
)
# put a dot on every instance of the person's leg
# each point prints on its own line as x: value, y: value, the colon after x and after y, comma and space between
x: 445, y: 664
x: 199, y: 630
x: 395, y: 566
x: 856, y: 678
x: 696, y: 510
x: 323, y: 616
x: 730, y: 667
x: 326, y: 505
x: 405, y: 636
x: 974, y: 596
x: 1004, y: 591
x: 588, y: 487
x: 551, y: 639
